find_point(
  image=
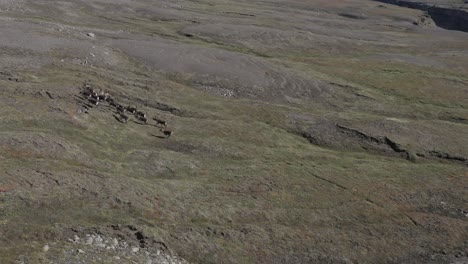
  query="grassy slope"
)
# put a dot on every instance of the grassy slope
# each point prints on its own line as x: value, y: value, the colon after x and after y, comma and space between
x: 232, y: 166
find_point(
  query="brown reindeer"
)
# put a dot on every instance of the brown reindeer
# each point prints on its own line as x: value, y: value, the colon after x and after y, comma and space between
x: 131, y: 109
x: 167, y: 133
x: 142, y: 119
x: 160, y: 122
x: 94, y: 101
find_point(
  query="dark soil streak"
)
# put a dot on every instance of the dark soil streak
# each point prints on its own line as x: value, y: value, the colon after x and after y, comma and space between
x: 356, y: 133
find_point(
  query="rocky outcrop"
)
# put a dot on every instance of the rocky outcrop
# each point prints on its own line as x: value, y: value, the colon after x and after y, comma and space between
x: 444, y: 16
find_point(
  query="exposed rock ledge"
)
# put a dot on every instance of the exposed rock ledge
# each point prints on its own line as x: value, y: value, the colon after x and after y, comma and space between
x: 445, y: 16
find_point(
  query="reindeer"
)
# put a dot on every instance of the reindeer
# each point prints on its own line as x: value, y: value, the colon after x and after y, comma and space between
x: 120, y: 108
x: 142, y: 118
x: 167, y: 133
x: 94, y: 101
x: 139, y: 113
x: 87, y: 92
x: 102, y: 96
x: 160, y: 122
x: 87, y: 89
x: 94, y: 96
x: 131, y: 109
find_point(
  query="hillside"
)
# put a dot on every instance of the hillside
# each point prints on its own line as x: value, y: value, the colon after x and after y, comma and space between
x: 297, y: 131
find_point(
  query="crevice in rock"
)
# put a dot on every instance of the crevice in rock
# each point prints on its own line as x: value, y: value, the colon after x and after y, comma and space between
x: 412, y: 220
x: 337, y: 136
x: 346, y: 189
x: 356, y: 133
x: 355, y: 91
x: 331, y: 182
x: 240, y: 14
x: 443, y: 17
x: 398, y: 148
x: 447, y: 156
x: 381, y: 141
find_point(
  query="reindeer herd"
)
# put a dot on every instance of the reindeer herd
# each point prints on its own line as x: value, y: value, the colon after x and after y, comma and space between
x: 122, y: 113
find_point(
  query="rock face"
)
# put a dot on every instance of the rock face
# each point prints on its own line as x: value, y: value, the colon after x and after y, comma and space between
x: 446, y: 16
x: 449, y: 18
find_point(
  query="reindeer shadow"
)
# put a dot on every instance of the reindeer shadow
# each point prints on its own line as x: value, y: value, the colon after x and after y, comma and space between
x: 118, y: 119
x: 80, y: 98
x: 139, y: 123
x: 159, y: 127
x: 151, y: 134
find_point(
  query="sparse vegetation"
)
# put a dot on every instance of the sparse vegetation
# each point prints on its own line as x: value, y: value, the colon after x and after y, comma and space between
x: 301, y: 135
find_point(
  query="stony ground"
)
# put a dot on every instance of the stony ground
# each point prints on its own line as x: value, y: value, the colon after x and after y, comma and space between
x: 318, y: 131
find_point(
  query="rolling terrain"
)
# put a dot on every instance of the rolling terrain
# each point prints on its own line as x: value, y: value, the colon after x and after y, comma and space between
x: 320, y: 131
